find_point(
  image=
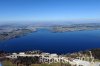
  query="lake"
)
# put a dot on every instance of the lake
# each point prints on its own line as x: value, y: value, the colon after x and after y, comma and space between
x: 48, y: 41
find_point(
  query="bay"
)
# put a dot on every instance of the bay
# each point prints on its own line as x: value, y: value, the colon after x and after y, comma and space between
x: 59, y: 42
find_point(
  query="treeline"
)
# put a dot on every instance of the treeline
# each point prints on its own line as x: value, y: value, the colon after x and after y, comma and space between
x: 2, y: 53
x: 26, y: 61
x: 33, y: 61
x: 96, y: 53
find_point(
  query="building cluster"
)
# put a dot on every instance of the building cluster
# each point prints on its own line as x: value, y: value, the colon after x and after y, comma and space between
x: 52, y: 58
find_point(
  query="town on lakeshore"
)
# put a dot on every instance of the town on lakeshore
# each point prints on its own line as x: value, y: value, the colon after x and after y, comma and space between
x: 39, y: 58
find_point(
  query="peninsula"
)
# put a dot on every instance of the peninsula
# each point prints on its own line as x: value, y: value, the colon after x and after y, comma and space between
x: 9, y: 32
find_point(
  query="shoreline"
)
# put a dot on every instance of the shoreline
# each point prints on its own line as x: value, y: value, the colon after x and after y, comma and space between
x: 89, y: 59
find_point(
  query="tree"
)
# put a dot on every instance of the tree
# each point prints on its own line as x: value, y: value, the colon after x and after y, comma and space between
x: 27, y: 61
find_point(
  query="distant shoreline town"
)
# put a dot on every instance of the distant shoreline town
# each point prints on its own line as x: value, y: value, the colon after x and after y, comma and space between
x: 31, y: 58
x: 12, y: 31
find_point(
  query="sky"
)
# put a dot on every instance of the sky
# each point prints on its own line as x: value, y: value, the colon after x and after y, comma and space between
x: 48, y: 10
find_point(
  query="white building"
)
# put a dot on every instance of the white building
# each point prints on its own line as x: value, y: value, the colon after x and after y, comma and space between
x: 53, y: 58
x: 81, y: 63
x: 44, y: 57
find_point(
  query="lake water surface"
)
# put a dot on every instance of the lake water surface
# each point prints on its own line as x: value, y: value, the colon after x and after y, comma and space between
x: 54, y: 42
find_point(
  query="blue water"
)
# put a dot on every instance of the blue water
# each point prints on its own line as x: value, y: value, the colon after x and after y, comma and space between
x: 54, y: 42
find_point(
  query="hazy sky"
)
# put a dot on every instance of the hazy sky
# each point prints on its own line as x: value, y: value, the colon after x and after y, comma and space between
x: 48, y: 10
